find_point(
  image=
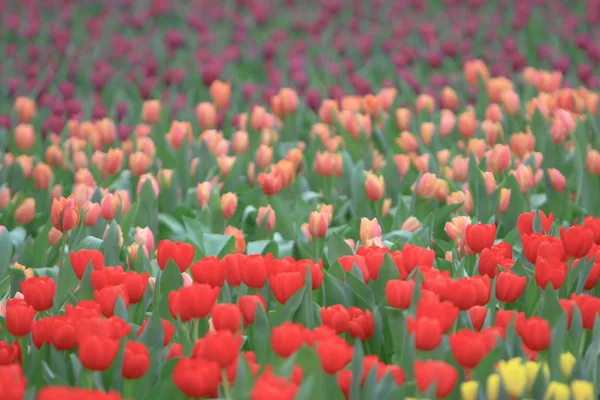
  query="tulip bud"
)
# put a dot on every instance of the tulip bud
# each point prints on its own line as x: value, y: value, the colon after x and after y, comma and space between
x: 427, y: 185
x: 386, y: 97
x: 25, y: 212
x: 328, y: 111
x: 403, y: 119
x: 385, y: 209
x: 123, y: 196
x: 258, y: 119
x: 427, y: 132
x: 151, y: 111
x: 229, y: 202
x: 511, y: 102
x: 54, y: 236
x: 240, y: 142
x: 402, y: 164
x: 225, y: 164
x: 264, y: 156
x: 220, y: 92
x: 411, y: 224
x: 374, y: 186
x: 504, y: 200
x: 317, y: 224
x: 165, y: 178
x: 187, y: 279
x: 474, y: 70
x: 467, y: 124
x: 24, y: 137
x: 109, y: 206
x: 147, y: 178
x: 139, y: 163
x: 4, y: 197
x: 64, y: 213
x: 144, y: 237
x: 456, y: 227
x: 207, y: 115
x: 91, y: 212
x: 152, y: 283
x: 592, y: 162
x: 425, y: 102
x: 449, y: 99
x: 557, y: 179
x: 25, y: 108
x: 407, y: 142
x: 370, y: 232
x: 42, y: 174
x: 306, y: 233
x: 203, y: 192
x: 238, y: 234
x: 266, y: 216
x: 447, y: 122
x: 490, y: 182
x: 120, y: 233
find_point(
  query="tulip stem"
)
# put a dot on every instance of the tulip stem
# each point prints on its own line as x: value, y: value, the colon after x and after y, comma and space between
x: 225, y: 384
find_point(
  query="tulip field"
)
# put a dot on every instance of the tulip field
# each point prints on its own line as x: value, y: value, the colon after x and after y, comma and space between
x: 279, y: 199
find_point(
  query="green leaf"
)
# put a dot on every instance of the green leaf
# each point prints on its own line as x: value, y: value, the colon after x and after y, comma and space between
x: 337, y: 248
x: 335, y: 291
x: 263, y: 247
x: 195, y: 232
x: 387, y: 272
x: 356, y: 367
x: 218, y: 245
x: 110, y: 246
x: 90, y: 243
x: 260, y: 334
x: 6, y: 248
x: 305, y: 314
x: 153, y: 334
x: 291, y: 306
x: 361, y: 291
x: 169, y: 280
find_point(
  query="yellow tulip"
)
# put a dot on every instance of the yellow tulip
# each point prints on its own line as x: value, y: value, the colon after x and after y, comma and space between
x: 514, y: 376
x: 468, y: 390
x: 567, y: 362
x: 557, y: 391
x: 582, y: 390
x: 493, y: 387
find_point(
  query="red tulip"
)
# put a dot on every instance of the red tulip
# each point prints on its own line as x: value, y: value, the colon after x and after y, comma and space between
x: 83, y: 310
x: 428, y: 335
x: 550, y: 270
x: 577, y: 240
x: 414, y: 255
x: 254, y: 273
x: 477, y: 315
x: 287, y: 338
x: 469, y: 347
x: 39, y: 292
x: 191, y: 302
x: 12, y: 382
x: 208, y: 271
x: 97, y: 353
x: 107, y: 298
x: 19, y: 317
x: 593, y: 224
x: 399, y: 293
x: 445, y: 312
x: 492, y: 257
x: 361, y: 323
x: 462, y: 293
x: 107, y: 276
x: 536, y: 333
x: 59, y: 331
x: 197, y: 377
x: 336, y: 317
x: 525, y: 222
x: 269, y: 386
x: 9, y: 353
x: 335, y: 353
x: 509, y: 286
x: 285, y: 285
x: 175, y: 351
x: 248, y: 305
x: 232, y: 265
x: 589, y: 306
x: 348, y: 262
x: 374, y: 256
x: 81, y: 259
x: 182, y: 254
x: 136, y: 360
x: 221, y: 347
x: 226, y: 317
x: 480, y: 236
x: 440, y: 373
x: 135, y: 286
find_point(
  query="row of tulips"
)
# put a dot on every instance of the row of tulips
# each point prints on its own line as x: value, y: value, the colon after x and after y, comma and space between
x: 418, y: 324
